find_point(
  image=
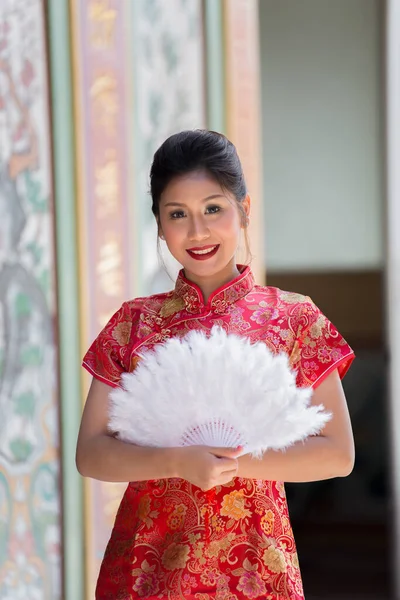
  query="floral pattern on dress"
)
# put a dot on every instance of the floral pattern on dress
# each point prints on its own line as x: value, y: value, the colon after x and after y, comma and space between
x: 238, y: 559
x: 171, y: 540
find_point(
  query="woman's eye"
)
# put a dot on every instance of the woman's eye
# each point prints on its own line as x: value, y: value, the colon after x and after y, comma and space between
x: 213, y: 209
x: 177, y: 214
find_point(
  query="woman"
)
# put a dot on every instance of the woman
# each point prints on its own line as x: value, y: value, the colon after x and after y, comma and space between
x: 171, y: 538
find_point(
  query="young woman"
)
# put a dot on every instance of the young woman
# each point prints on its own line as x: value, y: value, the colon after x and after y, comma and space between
x: 171, y: 539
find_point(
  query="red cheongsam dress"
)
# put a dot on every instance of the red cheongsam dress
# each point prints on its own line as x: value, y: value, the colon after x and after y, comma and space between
x: 171, y: 540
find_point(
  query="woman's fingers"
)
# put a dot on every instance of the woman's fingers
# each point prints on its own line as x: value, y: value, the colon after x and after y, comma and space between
x: 224, y: 478
x: 228, y: 475
x: 226, y: 452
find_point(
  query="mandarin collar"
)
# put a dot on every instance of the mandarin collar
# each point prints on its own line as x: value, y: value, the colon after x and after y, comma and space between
x: 221, y: 298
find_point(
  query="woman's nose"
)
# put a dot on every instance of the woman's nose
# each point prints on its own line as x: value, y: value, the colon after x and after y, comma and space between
x: 198, y: 230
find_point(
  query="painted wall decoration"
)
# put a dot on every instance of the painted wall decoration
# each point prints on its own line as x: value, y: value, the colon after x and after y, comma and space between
x: 30, y: 532
x: 169, y: 95
x: 101, y: 87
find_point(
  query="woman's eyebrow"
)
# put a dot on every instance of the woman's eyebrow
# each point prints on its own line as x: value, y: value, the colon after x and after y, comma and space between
x: 203, y: 200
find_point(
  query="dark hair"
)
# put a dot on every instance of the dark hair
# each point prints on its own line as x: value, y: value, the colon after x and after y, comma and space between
x: 197, y: 150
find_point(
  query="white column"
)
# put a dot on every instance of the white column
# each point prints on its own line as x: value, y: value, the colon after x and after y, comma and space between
x: 393, y: 255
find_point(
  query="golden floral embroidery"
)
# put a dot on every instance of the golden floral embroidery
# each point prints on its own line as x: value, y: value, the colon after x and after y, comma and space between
x: 286, y: 526
x: 236, y: 565
x: 172, y: 306
x: 144, y: 513
x: 194, y: 538
x: 274, y: 559
x: 198, y: 552
x: 217, y: 546
x: 122, y: 332
x: 217, y: 523
x: 233, y: 506
x: 295, y: 560
x: 267, y: 522
x: 309, y: 343
x: 176, y: 519
x: 220, y: 306
x: 150, y: 319
x: 175, y: 556
x: 144, y: 507
x: 316, y: 328
x: 292, y: 298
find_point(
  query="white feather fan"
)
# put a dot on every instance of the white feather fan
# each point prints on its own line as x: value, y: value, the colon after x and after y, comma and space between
x: 217, y: 390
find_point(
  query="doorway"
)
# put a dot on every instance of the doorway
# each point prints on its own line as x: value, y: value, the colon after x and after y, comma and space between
x: 322, y: 110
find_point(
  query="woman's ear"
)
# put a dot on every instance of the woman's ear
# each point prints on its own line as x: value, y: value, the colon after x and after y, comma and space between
x: 247, y: 205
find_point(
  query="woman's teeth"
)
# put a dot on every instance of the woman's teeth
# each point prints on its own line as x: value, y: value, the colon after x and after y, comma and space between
x: 203, y: 251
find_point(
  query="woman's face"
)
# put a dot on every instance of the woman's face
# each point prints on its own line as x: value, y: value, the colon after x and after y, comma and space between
x: 201, y: 224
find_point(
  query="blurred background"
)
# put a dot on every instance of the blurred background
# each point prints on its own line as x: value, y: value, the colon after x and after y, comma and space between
x: 309, y: 91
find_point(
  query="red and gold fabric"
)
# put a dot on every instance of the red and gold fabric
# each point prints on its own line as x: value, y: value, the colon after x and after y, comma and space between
x: 170, y: 539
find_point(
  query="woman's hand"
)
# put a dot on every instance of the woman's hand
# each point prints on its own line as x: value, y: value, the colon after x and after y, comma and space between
x: 207, y: 467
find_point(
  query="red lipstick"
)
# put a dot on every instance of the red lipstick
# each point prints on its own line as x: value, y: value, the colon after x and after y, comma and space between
x: 203, y: 252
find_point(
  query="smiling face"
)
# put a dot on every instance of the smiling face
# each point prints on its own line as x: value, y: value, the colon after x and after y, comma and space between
x: 201, y: 224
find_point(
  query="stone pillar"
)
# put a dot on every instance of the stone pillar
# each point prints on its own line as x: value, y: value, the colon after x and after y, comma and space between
x: 243, y: 113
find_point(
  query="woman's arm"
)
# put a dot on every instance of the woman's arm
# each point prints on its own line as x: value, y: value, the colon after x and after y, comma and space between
x: 330, y: 454
x: 101, y: 456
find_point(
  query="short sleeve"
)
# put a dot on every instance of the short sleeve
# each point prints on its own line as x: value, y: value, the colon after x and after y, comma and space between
x: 108, y: 356
x: 319, y: 348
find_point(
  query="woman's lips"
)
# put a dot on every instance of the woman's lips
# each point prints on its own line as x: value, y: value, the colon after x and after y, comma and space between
x: 203, y: 253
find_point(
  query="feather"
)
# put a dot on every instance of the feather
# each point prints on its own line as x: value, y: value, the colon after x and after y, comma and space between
x: 217, y: 390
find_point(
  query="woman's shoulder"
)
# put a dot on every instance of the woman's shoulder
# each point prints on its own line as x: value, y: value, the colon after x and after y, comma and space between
x: 281, y: 298
x: 147, y: 304
x: 282, y: 308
